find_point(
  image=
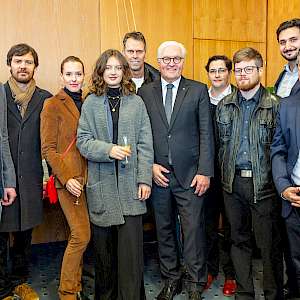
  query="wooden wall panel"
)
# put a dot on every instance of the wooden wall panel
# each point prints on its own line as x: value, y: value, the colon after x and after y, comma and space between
x: 235, y: 20
x: 158, y: 20
x: 203, y: 49
x: 56, y: 29
x: 278, y: 12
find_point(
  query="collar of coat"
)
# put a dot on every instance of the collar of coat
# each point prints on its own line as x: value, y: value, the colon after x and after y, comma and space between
x: 266, y: 100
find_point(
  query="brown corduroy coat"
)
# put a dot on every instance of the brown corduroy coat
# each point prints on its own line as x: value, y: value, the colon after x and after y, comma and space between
x: 59, y: 121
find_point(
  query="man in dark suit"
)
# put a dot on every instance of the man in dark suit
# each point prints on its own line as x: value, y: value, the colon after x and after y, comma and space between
x: 24, y: 104
x: 288, y: 37
x: 286, y: 174
x: 183, y: 164
x: 288, y: 84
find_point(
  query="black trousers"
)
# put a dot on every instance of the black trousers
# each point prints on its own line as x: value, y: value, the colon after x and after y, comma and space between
x: 293, y: 233
x: 263, y: 218
x: 119, y: 260
x: 167, y: 202
x: 218, y: 248
x: 19, y: 256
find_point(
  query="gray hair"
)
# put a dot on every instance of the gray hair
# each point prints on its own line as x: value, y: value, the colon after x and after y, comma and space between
x: 167, y: 44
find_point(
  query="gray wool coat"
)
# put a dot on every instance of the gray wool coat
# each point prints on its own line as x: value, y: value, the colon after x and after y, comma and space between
x: 7, y: 170
x: 110, y: 198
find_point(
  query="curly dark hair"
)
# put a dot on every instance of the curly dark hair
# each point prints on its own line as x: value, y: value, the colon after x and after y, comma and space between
x: 99, y: 86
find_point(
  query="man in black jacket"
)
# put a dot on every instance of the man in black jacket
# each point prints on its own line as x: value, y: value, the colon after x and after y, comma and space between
x: 135, y: 52
x: 288, y: 37
x: 24, y: 104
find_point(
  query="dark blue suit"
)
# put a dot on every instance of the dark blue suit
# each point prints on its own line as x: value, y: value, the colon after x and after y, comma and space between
x: 284, y: 155
x: 285, y: 146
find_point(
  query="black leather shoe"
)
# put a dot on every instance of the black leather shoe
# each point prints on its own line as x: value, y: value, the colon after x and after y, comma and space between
x: 170, y: 289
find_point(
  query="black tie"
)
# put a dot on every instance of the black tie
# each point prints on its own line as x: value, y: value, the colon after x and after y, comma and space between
x: 168, y: 101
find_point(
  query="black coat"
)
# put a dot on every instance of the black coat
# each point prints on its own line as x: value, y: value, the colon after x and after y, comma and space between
x: 190, y: 134
x: 24, y: 138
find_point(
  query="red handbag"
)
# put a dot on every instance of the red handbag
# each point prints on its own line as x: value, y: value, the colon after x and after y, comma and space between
x: 50, y: 190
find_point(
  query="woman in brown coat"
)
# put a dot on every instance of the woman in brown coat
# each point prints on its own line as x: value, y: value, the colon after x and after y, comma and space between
x: 59, y: 120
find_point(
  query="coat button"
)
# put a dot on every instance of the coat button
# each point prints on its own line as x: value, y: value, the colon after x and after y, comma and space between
x: 169, y: 136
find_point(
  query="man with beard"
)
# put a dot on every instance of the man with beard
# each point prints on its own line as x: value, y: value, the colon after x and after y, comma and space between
x: 135, y: 52
x: 288, y: 37
x: 286, y: 173
x: 24, y: 104
x: 245, y: 123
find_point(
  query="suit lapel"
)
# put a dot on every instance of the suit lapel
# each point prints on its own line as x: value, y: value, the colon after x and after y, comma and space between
x: 181, y: 92
x: 159, y: 102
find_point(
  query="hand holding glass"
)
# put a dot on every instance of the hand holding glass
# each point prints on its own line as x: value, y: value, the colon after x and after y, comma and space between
x: 127, y: 147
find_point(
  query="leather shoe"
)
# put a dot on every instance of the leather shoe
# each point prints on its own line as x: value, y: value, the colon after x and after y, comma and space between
x: 209, y: 282
x: 25, y: 292
x: 170, y: 289
x: 229, y: 288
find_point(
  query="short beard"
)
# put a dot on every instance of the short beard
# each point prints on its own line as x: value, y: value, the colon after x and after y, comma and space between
x: 247, y: 87
x: 290, y: 58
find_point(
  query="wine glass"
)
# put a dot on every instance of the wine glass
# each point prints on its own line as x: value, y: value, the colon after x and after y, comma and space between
x: 126, y: 145
x: 80, y: 179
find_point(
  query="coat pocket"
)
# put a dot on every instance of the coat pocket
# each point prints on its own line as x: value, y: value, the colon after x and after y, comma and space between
x: 95, y: 200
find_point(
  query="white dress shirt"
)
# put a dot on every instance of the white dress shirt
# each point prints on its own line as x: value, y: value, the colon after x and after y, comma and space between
x: 287, y: 82
x: 217, y: 99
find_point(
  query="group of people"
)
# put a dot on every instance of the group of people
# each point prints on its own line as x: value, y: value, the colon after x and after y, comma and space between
x: 141, y: 133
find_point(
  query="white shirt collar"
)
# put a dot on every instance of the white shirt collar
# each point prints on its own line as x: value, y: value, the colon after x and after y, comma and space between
x: 216, y: 100
x: 164, y: 83
x: 287, y: 69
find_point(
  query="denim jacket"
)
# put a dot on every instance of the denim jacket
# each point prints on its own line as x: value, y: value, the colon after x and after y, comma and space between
x: 262, y: 127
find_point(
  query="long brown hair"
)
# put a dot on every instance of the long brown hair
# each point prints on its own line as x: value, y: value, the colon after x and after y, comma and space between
x: 99, y: 86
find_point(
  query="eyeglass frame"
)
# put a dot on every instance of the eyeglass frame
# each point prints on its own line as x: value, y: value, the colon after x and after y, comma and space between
x: 240, y: 70
x: 219, y: 71
x: 178, y: 58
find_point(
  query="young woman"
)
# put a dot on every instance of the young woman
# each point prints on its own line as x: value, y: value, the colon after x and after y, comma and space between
x: 114, y: 134
x: 59, y: 120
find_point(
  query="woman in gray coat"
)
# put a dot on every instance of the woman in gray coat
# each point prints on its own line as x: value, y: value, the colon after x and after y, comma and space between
x: 114, y: 134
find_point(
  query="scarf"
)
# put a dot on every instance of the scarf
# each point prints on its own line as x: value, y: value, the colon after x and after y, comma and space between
x: 21, y: 98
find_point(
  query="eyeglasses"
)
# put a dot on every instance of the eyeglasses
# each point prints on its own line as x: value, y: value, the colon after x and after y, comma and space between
x: 219, y: 71
x: 176, y: 60
x: 247, y: 70
x: 115, y: 68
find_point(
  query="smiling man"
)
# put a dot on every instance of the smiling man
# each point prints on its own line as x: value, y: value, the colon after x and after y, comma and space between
x: 245, y: 123
x: 24, y: 104
x: 183, y: 164
x: 288, y: 37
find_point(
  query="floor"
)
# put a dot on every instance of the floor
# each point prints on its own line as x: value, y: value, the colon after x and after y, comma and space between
x: 46, y: 260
